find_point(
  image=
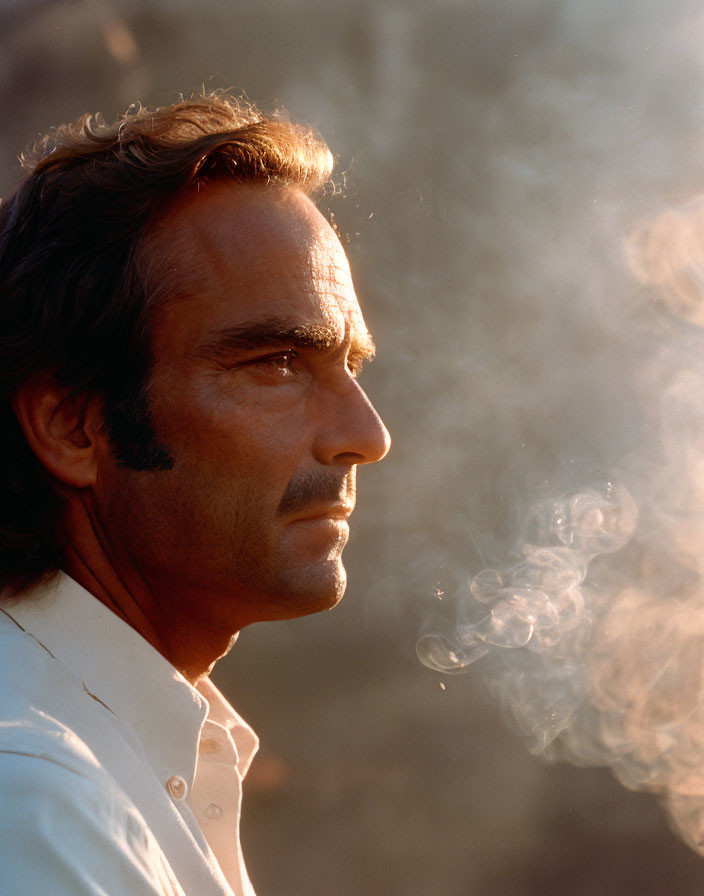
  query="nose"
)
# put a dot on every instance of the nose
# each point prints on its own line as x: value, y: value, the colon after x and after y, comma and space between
x: 354, y: 432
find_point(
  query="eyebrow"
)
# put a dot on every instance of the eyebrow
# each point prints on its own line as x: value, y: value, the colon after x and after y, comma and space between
x: 277, y: 332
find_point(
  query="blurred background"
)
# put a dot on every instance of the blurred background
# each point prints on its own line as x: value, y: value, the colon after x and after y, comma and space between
x: 495, y: 154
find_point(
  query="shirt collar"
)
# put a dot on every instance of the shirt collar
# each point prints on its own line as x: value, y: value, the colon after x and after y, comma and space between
x: 119, y: 668
x: 246, y: 741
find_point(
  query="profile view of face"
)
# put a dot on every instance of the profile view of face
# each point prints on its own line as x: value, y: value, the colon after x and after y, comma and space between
x: 254, y: 392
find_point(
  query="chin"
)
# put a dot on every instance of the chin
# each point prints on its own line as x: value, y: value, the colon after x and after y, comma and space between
x: 322, y: 591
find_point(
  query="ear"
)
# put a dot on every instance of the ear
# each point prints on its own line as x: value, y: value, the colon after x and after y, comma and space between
x: 62, y: 428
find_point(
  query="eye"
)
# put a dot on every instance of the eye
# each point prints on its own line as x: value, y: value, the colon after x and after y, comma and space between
x: 281, y: 364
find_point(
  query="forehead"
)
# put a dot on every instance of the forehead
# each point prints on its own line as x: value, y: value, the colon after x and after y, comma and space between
x: 232, y: 254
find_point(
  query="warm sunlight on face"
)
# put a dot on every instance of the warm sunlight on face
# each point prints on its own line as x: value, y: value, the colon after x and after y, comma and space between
x: 254, y: 392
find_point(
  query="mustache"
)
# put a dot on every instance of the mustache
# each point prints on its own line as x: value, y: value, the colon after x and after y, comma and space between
x: 310, y: 490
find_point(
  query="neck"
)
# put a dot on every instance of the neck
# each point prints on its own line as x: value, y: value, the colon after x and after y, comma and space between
x: 165, y: 618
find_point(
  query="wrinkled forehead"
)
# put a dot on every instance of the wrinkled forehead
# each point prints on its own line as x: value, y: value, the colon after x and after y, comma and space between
x: 238, y: 263
x: 256, y: 244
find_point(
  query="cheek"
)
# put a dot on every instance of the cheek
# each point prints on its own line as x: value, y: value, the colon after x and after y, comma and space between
x: 230, y: 464
x: 249, y: 427
x: 236, y: 444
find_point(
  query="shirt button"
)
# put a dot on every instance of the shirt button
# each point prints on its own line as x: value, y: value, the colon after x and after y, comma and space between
x: 177, y: 787
x: 213, y: 811
x: 210, y: 745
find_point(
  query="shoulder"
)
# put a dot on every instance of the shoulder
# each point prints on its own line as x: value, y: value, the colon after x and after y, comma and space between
x: 41, y: 705
x: 39, y: 777
x: 65, y: 827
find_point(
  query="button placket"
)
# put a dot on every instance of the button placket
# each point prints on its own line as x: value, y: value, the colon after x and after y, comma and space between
x: 177, y: 787
x: 212, y: 811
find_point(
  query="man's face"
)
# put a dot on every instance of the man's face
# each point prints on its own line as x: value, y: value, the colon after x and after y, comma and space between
x: 254, y: 394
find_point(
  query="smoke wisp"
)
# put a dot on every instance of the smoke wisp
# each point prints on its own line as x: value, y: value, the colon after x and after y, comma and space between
x: 593, y: 639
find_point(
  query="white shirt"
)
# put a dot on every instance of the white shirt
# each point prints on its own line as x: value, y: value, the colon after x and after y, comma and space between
x: 117, y: 777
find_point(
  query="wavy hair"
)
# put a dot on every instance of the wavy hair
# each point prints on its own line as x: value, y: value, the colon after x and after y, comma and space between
x: 77, y: 282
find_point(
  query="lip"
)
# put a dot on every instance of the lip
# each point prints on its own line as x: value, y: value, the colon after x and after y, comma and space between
x: 339, y: 512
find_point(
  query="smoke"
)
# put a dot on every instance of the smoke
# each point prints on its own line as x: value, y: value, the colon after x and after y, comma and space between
x: 593, y: 638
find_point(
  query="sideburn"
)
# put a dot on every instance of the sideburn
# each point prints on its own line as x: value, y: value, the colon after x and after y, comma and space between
x: 130, y: 428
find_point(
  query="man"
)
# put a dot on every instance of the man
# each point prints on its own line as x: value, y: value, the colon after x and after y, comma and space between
x: 179, y: 344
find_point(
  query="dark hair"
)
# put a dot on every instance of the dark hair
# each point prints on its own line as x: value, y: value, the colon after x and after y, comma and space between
x: 77, y: 285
